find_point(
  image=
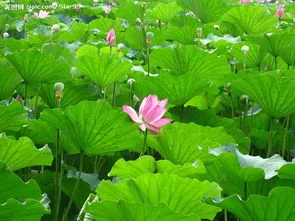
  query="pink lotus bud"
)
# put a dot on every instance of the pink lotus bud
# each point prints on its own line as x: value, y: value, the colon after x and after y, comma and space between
x: 280, y: 11
x: 245, y: 1
x: 107, y: 10
x: 111, y: 37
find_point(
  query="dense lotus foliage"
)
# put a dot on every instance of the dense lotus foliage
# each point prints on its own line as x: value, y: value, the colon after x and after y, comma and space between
x: 171, y: 110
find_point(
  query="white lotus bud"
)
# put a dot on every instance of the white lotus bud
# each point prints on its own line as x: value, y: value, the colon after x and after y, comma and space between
x: 120, y: 46
x: 245, y: 49
x: 5, y: 35
x: 131, y: 81
x: 199, y: 32
x: 54, y: 5
x: 149, y: 37
x: 55, y: 28
x: 138, y: 21
x: 58, y: 86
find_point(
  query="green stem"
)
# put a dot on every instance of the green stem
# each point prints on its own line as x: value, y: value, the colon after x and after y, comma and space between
x: 245, y: 190
x: 36, y: 102
x: 285, y: 135
x: 74, y: 189
x: 144, y: 142
x: 57, y: 189
x: 26, y: 93
x: 225, y: 215
x: 233, y: 115
x: 114, y: 91
x: 148, y: 58
x: 245, y: 62
x: 131, y: 96
x: 276, y: 62
x: 270, y: 137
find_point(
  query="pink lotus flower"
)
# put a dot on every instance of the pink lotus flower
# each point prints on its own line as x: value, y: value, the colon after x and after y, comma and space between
x: 111, y: 37
x: 41, y: 14
x: 280, y: 11
x: 150, y: 115
x: 245, y: 1
x: 107, y: 10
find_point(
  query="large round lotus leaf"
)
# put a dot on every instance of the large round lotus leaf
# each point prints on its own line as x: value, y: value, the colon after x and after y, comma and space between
x: 9, y: 80
x: 181, y: 195
x: 190, y: 60
x: 13, y: 117
x: 185, y: 143
x: 147, y: 164
x: 248, y: 20
x: 18, y: 200
x: 277, y: 43
x: 165, y: 12
x: 129, y: 211
x: 23, y: 153
x: 103, y: 69
x: 92, y: 128
x: 35, y: 66
x: 273, y: 93
x: 260, y: 207
x: 178, y: 89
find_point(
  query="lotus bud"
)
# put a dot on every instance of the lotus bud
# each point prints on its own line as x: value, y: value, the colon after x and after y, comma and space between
x: 227, y: 89
x: 26, y: 17
x: 199, y: 32
x: 59, y: 87
x: 216, y: 27
x: 160, y: 23
x: 131, y: 81
x: 120, y: 47
x: 5, y: 35
x: 107, y: 10
x: 96, y: 31
x: 244, y: 99
x: 54, y: 5
x: 144, y: 4
x: 266, y: 68
x: 149, y: 37
x: 55, y: 28
x: 280, y: 11
x: 111, y: 37
x: 112, y: 3
x: 245, y: 49
x: 138, y: 21
x: 245, y: 1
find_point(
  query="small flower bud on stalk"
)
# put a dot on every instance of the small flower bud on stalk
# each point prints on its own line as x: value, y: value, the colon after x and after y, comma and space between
x: 54, y: 5
x: 244, y: 99
x: 5, y: 35
x: 120, y: 47
x: 227, y: 89
x: 149, y: 37
x: 26, y: 17
x: 144, y: 4
x: 59, y: 87
x: 7, y: 27
x: 199, y: 32
x: 138, y: 21
x: 55, y: 28
x: 245, y: 50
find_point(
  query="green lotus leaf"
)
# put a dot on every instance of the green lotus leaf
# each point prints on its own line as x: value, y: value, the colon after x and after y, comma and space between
x: 13, y: 116
x: 94, y: 128
x: 209, y: 11
x: 147, y: 165
x: 178, y: 89
x: 19, y: 200
x: 23, y: 153
x: 129, y: 211
x: 287, y: 171
x: 288, y: 56
x: 130, y: 11
x: 165, y: 12
x: 274, y: 94
x: 185, y: 35
x: 277, y: 43
x: 29, y: 210
x: 103, y: 69
x: 102, y: 24
x: 260, y: 207
x: 185, y: 143
x: 13, y: 187
x: 249, y: 20
x: 9, y: 80
x: 59, y: 51
x: 180, y: 195
x: 35, y: 66
x: 190, y: 60
x: 86, y: 50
